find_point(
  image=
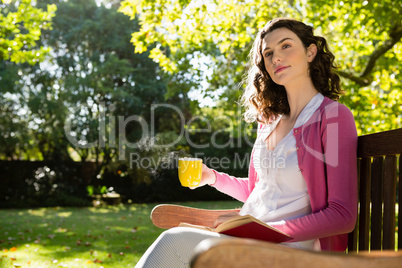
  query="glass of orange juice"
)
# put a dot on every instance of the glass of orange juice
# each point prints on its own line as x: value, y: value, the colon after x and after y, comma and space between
x: 190, y: 170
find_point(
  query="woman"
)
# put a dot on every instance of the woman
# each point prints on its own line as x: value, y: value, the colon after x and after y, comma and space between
x: 312, y: 194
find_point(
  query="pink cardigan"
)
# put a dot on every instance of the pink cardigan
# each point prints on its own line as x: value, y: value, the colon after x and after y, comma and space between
x: 326, y: 152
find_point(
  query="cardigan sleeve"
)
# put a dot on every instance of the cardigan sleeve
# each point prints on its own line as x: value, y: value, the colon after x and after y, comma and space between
x: 236, y: 187
x: 332, y: 180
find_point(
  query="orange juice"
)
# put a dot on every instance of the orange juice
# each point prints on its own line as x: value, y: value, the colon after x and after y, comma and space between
x: 190, y: 170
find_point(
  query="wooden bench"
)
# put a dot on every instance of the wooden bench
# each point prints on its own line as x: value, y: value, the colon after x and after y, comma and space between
x: 378, y: 156
x: 371, y: 244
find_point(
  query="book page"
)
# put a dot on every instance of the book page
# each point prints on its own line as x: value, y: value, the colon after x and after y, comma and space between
x: 184, y: 224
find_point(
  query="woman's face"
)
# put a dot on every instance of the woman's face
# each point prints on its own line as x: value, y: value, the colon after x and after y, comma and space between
x: 285, y: 57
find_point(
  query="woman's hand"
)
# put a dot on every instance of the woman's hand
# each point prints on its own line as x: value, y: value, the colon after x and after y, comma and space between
x: 225, y: 217
x: 207, y: 177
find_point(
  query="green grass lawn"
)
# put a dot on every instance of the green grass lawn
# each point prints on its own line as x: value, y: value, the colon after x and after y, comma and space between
x: 81, y: 237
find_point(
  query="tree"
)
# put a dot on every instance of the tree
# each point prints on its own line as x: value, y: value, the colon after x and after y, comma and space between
x: 91, y: 78
x: 21, y: 25
x: 217, y: 36
x: 15, y: 136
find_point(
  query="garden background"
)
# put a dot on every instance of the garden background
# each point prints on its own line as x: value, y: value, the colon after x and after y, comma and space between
x: 101, y: 97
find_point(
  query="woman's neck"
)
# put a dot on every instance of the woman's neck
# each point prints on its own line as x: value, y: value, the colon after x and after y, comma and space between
x: 298, y: 98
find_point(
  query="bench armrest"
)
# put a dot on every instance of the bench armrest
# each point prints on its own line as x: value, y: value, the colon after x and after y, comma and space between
x: 168, y: 216
x: 240, y: 253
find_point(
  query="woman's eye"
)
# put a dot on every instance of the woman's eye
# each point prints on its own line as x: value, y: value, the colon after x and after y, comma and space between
x: 268, y: 54
x: 286, y: 46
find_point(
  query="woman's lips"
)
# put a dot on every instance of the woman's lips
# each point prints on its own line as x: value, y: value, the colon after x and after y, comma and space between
x: 280, y: 69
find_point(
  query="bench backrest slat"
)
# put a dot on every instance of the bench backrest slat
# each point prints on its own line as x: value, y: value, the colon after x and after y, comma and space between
x: 399, y: 205
x: 377, y: 198
x: 389, y: 202
x: 364, y: 194
x: 378, y: 169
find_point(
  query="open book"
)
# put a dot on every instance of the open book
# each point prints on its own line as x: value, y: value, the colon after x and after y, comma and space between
x: 247, y: 227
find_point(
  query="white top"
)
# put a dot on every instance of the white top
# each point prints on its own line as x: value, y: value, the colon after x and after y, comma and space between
x: 281, y: 191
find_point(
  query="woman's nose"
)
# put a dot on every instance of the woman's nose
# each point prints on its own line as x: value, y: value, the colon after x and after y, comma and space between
x: 276, y: 57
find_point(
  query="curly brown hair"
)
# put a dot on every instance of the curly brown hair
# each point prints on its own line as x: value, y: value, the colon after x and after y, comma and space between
x: 263, y: 98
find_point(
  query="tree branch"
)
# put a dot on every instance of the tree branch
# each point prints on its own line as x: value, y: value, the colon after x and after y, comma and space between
x: 362, y: 81
x: 396, y: 35
x: 365, y: 78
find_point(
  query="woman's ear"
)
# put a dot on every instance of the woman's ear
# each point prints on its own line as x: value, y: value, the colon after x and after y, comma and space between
x: 311, y: 52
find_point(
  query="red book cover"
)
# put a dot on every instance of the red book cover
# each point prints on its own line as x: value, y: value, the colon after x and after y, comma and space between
x: 247, y: 227
x: 254, y: 230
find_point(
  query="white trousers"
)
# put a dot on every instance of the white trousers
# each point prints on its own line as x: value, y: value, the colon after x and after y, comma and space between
x: 174, y: 248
